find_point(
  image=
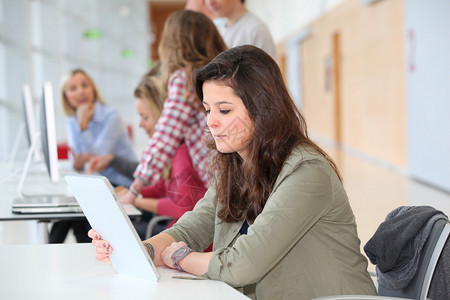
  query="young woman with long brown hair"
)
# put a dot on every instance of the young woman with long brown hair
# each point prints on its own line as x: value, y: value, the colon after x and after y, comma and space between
x: 277, y: 214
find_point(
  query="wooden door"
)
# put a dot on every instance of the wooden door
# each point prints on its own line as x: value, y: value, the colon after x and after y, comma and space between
x: 159, y: 11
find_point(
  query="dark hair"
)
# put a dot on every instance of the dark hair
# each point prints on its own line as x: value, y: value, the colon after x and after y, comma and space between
x: 244, y: 187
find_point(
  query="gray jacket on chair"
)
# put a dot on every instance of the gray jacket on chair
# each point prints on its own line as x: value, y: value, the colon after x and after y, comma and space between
x: 396, y: 246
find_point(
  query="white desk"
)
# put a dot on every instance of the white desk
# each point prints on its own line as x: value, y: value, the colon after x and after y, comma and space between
x: 70, y: 271
x: 38, y: 183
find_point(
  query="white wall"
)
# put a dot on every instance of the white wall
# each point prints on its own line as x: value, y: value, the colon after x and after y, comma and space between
x: 284, y: 17
x: 428, y: 90
x: 42, y: 39
x: 288, y: 23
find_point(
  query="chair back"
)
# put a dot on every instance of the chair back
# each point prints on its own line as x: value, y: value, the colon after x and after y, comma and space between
x: 419, y: 285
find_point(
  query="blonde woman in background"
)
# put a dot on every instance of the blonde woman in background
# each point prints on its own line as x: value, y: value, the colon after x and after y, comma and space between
x: 92, y: 128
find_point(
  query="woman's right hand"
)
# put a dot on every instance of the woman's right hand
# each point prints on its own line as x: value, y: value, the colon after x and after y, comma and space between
x: 127, y: 198
x: 102, y: 247
x: 120, y: 191
x: 99, y: 163
x: 85, y: 113
x: 79, y: 160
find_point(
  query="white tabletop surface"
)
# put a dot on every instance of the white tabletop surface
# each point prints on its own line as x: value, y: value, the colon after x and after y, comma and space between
x: 70, y: 271
x: 37, y: 183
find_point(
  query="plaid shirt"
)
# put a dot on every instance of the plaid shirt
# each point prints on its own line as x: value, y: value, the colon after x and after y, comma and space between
x: 182, y: 119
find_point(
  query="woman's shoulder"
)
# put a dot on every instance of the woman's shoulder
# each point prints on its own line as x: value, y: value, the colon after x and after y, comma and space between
x: 304, y: 153
x: 178, y: 75
x: 103, y: 111
x: 102, y: 107
x: 307, y: 159
x: 176, y: 87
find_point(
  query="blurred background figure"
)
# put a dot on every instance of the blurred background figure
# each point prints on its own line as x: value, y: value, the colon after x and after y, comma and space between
x: 179, y: 188
x: 199, y: 6
x: 93, y: 128
x: 241, y: 27
x: 182, y: 120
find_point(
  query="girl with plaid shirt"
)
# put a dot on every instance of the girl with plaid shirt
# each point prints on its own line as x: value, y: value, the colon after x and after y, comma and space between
x: 189, y: 40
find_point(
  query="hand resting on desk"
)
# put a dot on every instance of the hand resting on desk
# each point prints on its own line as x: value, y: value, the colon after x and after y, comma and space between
x: 164, y: 247
x: 103, y: 249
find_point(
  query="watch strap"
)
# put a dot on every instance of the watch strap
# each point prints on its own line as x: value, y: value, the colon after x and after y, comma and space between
x: 178, y: 255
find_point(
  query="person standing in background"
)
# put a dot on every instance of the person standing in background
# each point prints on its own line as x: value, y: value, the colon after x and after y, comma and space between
x: 241, y: 27
x: 199, y: 6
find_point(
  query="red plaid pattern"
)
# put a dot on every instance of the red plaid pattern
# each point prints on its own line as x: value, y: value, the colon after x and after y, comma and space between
x: 182, y: 118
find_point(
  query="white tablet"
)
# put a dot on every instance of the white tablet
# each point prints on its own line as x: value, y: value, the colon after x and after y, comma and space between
x: 106, y: 215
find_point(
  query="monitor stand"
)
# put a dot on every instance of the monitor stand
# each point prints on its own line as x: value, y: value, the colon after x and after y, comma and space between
x: 26, y: 167
x: 15, y: 149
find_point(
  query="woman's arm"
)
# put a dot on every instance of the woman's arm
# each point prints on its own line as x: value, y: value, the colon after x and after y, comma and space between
x: 148, y: 204
x: 103, y: 250
x: 159, y: 243
x: 163, y: 246
x: 111, y: 130
x: 108, y: 129
x: 161, y: 206
x: 84, y: 114
x: 132, y: 194
x: 195, y: 262
x: 197, y: 230
x: 121, y: 164
x: 79, y: 160
x: 124, y: 165
x: 98, y: 163
x: 295, y: 206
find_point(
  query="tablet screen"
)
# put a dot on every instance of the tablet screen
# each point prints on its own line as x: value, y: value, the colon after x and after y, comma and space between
x: 106, y: 215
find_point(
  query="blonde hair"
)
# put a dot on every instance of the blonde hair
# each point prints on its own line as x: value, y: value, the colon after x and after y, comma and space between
x: 189, y: 40
x: 67, y: 108
x: 152, y: 92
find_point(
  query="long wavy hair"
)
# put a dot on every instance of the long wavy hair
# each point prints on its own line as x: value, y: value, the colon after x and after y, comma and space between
x: 67, y: 108
x: 243, y: 187
x: 189, y: 40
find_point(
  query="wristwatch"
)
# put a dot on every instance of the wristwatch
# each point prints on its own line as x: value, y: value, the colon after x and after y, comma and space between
x: 178, y: 255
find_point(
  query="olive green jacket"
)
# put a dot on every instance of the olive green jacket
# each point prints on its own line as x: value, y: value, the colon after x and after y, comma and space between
x: 304, y: 244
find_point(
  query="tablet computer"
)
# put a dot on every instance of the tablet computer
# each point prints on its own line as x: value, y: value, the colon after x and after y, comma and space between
x: 106, y: 215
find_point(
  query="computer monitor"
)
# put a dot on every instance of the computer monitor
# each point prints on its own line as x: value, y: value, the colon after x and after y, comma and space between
x: 48, y: 132
x: 30, y: 122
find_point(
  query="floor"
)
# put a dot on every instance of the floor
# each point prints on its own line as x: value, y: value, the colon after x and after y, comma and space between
x: 374, y: 190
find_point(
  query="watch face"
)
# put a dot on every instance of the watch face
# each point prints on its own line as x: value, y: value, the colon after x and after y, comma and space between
x: 181, y: 253
x: 184, y: 250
